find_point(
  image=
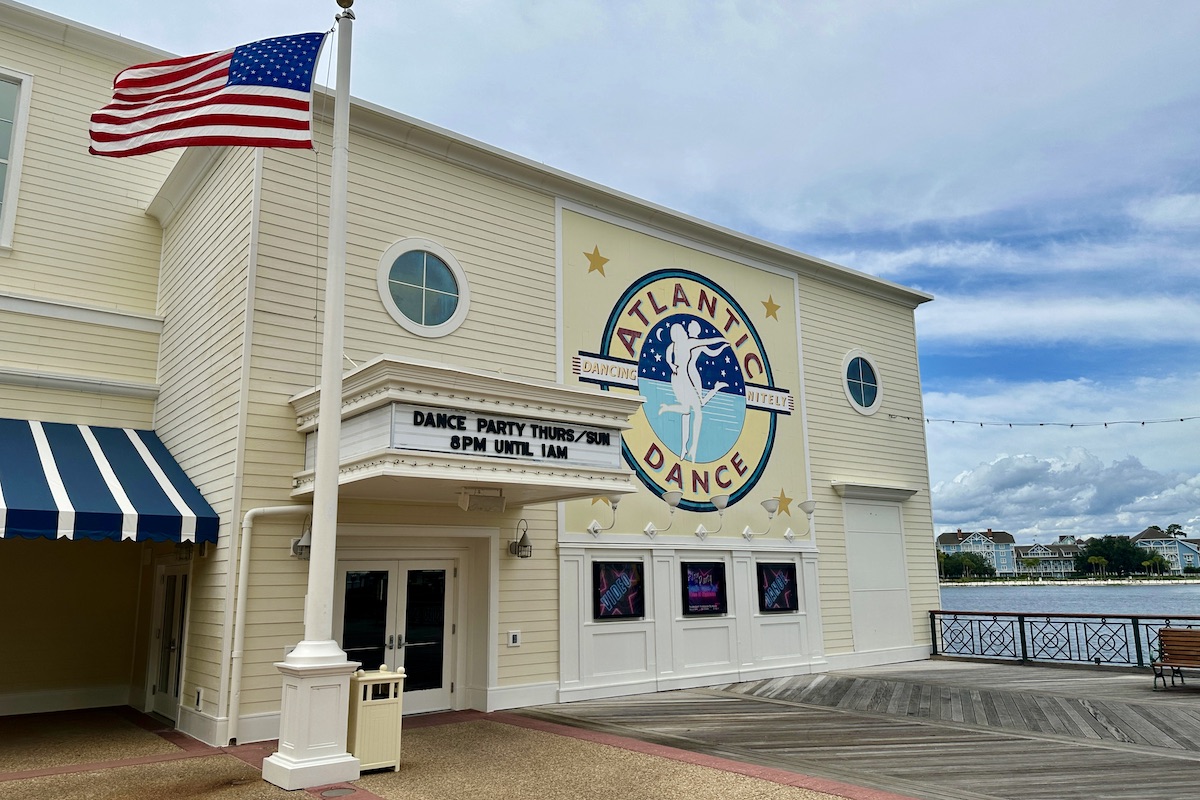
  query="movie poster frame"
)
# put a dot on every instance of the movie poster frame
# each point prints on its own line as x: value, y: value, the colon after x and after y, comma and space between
x: 690, y: 608
x: 764, y: 607
x: 638, y: 610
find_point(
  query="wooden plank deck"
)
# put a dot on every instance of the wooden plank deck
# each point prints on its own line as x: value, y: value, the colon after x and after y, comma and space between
x: 937, y: 730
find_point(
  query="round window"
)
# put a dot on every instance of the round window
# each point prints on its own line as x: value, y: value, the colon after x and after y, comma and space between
x: 423, y: 287
x: 863, y: 387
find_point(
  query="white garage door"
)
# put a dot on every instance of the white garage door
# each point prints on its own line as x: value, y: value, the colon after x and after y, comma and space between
x: 879, y: 605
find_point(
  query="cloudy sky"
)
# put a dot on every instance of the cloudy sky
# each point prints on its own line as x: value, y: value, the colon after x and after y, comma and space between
x: 1034, y: 165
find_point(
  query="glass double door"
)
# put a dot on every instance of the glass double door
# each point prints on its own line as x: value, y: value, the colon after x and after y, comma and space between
x: 400, y: 614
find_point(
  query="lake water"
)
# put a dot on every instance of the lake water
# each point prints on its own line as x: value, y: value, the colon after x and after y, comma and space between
x: 1183, y: 599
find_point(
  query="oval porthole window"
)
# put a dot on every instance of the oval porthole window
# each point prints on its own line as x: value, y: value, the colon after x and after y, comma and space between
x: 423, y: 287
x: 862, y: 383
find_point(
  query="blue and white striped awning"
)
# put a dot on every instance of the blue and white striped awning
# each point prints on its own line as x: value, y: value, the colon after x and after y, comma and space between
x: 86, y: 482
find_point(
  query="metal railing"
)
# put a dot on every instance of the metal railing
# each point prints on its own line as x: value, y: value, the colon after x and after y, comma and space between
x: 1128, y: 640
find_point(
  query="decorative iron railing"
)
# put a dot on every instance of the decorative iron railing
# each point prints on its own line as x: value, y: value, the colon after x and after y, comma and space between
x: 1128, y: 640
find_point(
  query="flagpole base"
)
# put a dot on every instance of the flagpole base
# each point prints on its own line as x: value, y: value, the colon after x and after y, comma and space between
x: 313, y: 719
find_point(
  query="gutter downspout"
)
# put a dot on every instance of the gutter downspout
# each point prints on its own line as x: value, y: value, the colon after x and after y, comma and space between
x: 239, y: 616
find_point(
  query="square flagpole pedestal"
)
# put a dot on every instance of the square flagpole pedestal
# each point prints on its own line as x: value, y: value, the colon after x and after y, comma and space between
x: 313, y: 720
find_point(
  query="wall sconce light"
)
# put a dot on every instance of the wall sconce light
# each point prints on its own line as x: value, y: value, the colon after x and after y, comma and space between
x: 771, y: 506
x: 302, y: 547
x: 521, y: 547
x: 808, y: 507
x: 672, y: 500
x: 594, y: 526
x: 719, y: 502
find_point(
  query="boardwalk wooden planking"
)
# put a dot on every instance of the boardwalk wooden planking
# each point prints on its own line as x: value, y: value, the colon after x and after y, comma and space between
x: 937, y: 730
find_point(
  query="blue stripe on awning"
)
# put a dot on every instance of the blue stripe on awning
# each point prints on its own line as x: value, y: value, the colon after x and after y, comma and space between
x: 90, y: 482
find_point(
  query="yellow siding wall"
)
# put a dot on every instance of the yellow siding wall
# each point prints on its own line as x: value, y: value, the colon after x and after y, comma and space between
x: 879, y: 449
x: 81, y: 241
x: 66, y: 347
x: 529, y: 599
x: 501, y: 234
x: 110, y: 258
x: 503, y: 237
x: 62, y: 405
x: 206, y: 250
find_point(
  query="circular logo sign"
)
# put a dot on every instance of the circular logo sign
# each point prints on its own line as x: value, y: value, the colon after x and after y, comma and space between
x: 708, y: 425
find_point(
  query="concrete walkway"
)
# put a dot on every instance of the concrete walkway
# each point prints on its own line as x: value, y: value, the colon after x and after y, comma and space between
x: 118, y: 754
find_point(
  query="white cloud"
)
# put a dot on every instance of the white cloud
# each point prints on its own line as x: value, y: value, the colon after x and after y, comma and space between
x: 1017, y: 318
x: 1165, y: 255
x: 802, y: 116
x: 1175, y: 212
x: 1042, y: 497
x: 1045, y: 480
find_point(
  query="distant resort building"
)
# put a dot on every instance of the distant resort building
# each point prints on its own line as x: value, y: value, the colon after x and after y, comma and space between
x: 1178, y: 553
x: 996, y: 546
x: 1057, y: 560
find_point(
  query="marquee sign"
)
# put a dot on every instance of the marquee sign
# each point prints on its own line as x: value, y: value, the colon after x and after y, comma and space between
x: 460, y: 432
x: 708, y: 424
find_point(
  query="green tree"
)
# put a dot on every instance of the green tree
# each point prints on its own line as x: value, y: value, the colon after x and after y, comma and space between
x: 1096, y: 563
x: 1175, y: 530
x: 1157, y: 563
x: 1121, y: 556
x: 1030, y: 564
x: 959, y: 565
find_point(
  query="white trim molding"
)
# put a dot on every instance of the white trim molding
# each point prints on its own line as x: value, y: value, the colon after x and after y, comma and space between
x: 383, y: 278
x: 852, y: 490
x: 77, y: 383
x: 73, y: 312
x: 867, y: 410
x: 11, y: 189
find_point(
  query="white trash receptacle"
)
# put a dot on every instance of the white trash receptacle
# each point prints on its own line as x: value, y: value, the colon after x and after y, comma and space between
x: 375, y: 715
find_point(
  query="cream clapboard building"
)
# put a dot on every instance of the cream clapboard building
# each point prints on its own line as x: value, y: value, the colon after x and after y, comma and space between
x: 521, y: 347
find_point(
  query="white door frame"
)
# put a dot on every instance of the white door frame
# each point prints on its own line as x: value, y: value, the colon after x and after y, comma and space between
x: 162, y: 568
x: 397, y: 567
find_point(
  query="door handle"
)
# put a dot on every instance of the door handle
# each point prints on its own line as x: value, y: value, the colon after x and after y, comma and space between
x: 390, y: 640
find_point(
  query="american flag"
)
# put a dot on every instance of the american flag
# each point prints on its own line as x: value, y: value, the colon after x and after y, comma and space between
x: 257, y: 94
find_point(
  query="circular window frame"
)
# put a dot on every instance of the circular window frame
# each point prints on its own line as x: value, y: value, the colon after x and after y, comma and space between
x: 414, y: 244
x: 866, y: 411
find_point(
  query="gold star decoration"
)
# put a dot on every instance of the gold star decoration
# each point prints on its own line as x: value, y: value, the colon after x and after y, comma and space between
x: 771, y: 306
x: 785, y: 503
x: 596, y: 261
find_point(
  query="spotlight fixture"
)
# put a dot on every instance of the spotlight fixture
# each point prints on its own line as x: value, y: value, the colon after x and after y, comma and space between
x: 771, y: 506
x: 594, y: 526
x: 719, y: 503
x: 672, y: 500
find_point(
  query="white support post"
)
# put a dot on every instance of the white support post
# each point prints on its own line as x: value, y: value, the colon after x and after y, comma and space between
x: 316, y: 675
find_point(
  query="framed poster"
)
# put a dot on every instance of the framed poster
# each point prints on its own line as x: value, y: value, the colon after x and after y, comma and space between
x: 777, y: 589
x: 617, y: 590
x: 704, y: 588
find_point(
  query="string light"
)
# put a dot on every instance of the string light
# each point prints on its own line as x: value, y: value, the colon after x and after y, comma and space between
x: 1143, y: 422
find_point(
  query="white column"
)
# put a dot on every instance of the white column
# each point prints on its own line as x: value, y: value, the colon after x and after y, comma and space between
x: 316, y: 675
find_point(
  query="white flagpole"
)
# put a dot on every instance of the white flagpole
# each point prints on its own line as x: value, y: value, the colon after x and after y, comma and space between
x: 312, y: 735
x: 318, y: 614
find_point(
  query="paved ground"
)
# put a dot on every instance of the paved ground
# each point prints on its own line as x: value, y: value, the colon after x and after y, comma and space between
x: 117, y: 754
x: 937, y: 730
x: 932, y: 730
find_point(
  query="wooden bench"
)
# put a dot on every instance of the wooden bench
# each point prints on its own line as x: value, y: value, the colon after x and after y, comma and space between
x: 1178, y: 648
